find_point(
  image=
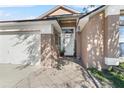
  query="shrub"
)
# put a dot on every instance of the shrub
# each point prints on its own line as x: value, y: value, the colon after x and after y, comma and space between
x: 121, y: 65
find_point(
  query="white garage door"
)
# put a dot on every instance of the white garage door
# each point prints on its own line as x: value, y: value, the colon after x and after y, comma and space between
x: 19, y: 48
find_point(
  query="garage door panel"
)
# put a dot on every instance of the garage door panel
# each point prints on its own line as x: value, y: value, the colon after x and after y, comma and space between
x: 15, y: 48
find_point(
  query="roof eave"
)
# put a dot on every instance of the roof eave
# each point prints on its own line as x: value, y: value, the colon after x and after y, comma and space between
x: 54, y: 9
x: 85, y: 18
x: 28, y: 20
x: 95, y: 10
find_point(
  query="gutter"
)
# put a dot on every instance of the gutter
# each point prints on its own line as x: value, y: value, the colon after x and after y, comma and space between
x: 92, y: 11
x: 28, y: 20
x: 89, y: 13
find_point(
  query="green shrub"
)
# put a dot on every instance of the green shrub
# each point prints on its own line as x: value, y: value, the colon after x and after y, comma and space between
x: 110, y: 68
x: 97, y: 74
x: 121, y: 65
x: 115, y: 77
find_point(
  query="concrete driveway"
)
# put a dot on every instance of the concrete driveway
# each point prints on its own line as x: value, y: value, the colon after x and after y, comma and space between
x: 69, y: 73
x: 11, y: 74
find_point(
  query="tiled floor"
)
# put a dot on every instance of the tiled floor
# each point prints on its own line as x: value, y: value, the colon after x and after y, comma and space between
x: 71, y: 75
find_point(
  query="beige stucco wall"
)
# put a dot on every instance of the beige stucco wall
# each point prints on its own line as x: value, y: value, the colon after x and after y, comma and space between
x: 78, y: 44
x: 49, y: 50
x: 111, y: 41
x: 99, y: 41
x: 92, y: 35
x: 112, y: 36
x: 60, y: 12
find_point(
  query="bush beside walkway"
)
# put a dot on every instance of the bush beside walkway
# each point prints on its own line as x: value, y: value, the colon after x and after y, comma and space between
x: 109, y: 78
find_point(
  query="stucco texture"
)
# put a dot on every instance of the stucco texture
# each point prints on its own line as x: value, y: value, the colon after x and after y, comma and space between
x: 99, y: 39
x: 92, y: 35
x: 49, y: 51
x: 112, y: 36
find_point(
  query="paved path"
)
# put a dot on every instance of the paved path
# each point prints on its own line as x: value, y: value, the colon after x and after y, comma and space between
x: 70, y: 74
x: 10, y: 74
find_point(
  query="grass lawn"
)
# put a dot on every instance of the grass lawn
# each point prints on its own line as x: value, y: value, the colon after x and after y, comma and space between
x: 109, y: 77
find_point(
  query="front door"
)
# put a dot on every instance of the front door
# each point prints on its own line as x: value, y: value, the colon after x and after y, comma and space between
x: 68, y: 41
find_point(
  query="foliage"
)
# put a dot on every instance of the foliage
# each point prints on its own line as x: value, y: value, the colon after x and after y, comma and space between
x: 121, y: 65
x: 97, y: 74
x: 115, y: 77
x: 88, y: 8
x: 62, y: 52
x: 110, y: 68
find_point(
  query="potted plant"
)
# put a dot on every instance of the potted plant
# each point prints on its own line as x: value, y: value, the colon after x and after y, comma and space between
x: 62, y: 52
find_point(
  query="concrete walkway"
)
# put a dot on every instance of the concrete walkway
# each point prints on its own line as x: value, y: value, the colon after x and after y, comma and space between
x: 69, y: 74
x: 11, y: 74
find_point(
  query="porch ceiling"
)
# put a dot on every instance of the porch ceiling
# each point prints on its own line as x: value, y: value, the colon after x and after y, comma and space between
x: 67, y: 23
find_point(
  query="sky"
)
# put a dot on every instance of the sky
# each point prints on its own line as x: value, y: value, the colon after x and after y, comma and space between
x: 28, y: 11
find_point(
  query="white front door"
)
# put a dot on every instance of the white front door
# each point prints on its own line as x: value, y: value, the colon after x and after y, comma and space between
x: 68, y: 40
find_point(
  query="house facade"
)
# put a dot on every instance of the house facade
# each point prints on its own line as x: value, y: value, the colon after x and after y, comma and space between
x: 101, y: 36
x: 95, y: 37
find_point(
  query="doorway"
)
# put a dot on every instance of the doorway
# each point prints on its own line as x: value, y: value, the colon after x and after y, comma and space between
x: 68, y: 41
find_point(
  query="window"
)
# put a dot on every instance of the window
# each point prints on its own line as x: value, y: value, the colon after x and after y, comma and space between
x: 121, y: 40
x: 121, y: 35
x: 122, y: 17
x: 67, y: 30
